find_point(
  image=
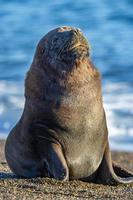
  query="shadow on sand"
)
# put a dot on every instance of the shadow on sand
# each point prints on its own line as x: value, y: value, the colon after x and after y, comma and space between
x: 7, y: 175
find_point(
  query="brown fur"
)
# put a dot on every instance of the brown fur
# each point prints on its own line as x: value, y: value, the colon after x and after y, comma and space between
x: 62, y: 132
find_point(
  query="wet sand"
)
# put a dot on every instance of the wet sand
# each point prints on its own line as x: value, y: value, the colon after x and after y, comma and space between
x: 43, y: 188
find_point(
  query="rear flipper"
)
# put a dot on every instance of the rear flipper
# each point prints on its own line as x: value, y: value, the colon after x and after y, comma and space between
x: 120, y: 171
x: 112, y: 173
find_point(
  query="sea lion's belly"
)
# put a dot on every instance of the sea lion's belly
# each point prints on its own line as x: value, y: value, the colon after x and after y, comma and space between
x: 85, y: 141
x: 84, y: 153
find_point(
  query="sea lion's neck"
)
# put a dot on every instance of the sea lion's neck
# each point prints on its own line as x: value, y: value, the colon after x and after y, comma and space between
x: 41, y: 83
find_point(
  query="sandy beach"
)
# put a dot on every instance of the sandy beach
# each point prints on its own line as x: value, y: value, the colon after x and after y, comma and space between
x: 44, y: 188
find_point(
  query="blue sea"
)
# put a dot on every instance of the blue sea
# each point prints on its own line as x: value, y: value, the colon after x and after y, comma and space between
x: 108, y: 25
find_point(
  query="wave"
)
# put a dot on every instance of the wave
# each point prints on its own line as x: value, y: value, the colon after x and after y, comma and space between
x: 11, y: 105
x: 118, y: 101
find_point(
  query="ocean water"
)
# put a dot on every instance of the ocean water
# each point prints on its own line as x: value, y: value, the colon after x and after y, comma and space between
x: 108, y: 25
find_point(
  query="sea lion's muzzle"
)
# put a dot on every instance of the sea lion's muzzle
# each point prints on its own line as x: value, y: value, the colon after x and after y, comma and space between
x: 69, y: 41
x: 66, y: 45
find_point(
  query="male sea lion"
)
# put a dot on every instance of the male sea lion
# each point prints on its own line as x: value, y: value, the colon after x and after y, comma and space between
x: 62, y: 132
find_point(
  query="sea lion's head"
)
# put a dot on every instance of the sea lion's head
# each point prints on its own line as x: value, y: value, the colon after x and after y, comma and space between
x: 62, y: 48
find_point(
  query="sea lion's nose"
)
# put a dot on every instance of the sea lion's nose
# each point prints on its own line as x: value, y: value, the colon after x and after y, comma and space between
x: 75, y: 32
x: 67, y: 28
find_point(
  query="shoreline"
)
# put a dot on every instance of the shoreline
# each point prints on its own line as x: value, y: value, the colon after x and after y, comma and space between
x: 45, y: 188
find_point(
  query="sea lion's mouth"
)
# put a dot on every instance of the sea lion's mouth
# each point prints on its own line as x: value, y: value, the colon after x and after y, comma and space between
x: 74, y: 48
x: 77, y: 46
x: 73, y: 52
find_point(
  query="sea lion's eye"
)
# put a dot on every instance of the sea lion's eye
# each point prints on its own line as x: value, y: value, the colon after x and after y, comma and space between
x: 54, y: 40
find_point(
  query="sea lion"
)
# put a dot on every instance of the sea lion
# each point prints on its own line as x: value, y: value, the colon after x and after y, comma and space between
x: 62, y: 132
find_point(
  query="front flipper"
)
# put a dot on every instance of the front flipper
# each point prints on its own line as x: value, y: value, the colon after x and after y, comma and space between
x: 111, y: 173
x: 53, y: 163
